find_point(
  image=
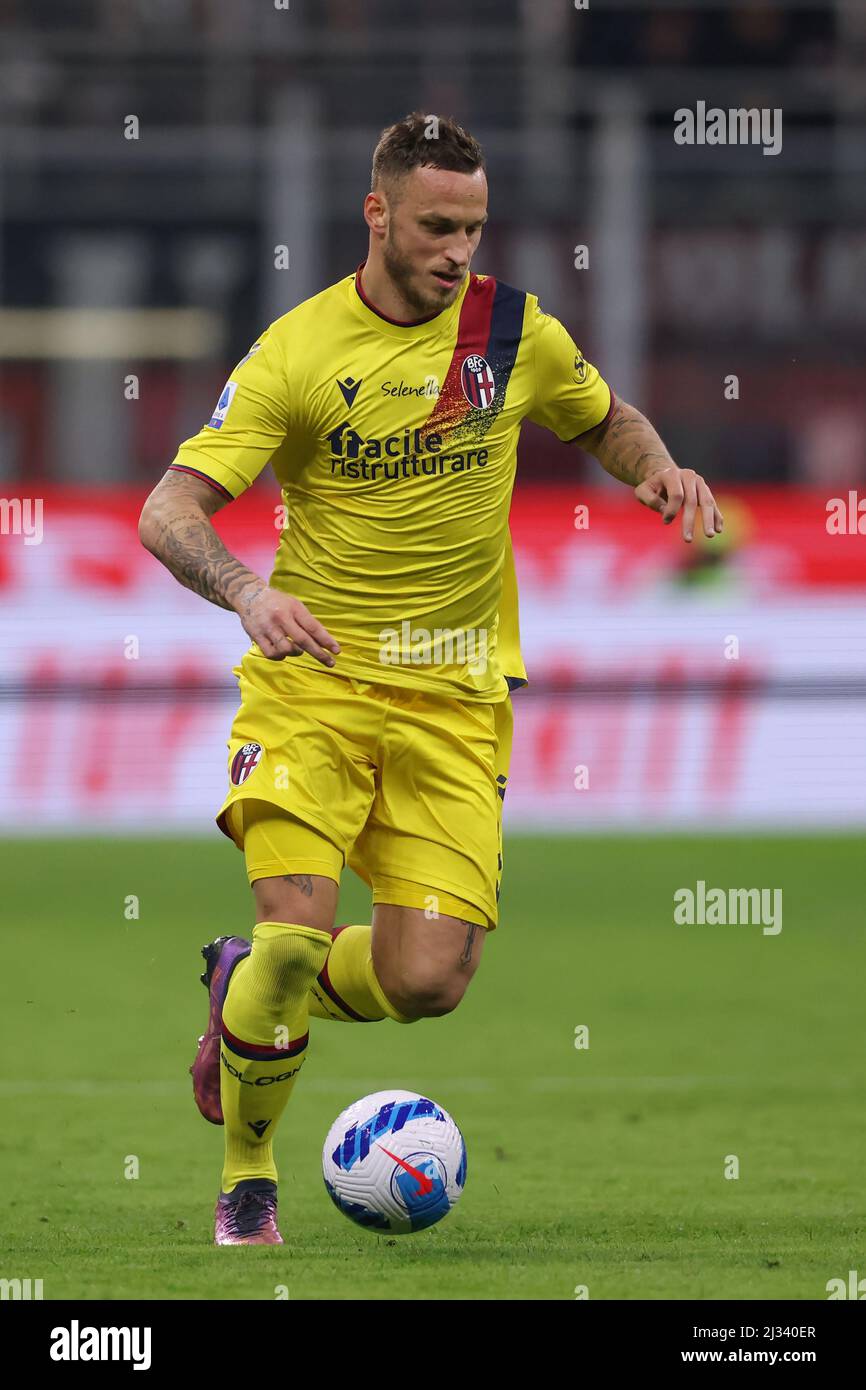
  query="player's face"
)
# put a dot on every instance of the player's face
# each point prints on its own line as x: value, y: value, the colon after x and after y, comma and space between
x: 433, y: 229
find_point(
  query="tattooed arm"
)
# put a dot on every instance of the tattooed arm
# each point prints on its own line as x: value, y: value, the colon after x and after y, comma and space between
x: 175, y: 526
x: 628, y: 447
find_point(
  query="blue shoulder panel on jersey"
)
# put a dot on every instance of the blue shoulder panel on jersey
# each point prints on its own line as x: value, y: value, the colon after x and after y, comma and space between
x: 506, y: 331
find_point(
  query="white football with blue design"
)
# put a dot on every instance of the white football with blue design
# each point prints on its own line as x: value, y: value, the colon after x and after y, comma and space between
x: 395, y: 1162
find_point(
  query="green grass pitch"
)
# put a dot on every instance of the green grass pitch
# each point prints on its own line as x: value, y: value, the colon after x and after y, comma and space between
x: 601, y: 1167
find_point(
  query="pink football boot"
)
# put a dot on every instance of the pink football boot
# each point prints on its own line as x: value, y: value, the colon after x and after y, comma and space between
x: 221, y: 956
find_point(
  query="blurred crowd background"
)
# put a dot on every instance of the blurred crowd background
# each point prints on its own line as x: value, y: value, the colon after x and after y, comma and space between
x: 255, y: 127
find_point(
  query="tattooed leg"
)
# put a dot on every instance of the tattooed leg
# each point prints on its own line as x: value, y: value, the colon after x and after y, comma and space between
x: 303, y: 900
x: 303, y: 883
x: 466, y: 953
x: 424, y: 964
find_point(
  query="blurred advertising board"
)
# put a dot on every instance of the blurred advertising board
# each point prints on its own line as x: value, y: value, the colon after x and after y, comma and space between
x: 720, y: 684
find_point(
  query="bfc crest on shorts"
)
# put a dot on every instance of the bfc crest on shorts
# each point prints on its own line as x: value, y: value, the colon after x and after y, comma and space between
x: 245, y: 761
x: 476, y: 378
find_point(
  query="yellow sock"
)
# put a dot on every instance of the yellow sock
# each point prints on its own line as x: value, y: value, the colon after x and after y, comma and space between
x: 346, y: 989
x: 264, y: 1042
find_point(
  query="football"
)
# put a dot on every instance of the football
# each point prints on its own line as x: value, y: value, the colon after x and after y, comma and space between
x: 394, y: 1161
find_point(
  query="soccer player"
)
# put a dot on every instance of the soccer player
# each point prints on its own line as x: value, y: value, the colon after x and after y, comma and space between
x: 375, y: 723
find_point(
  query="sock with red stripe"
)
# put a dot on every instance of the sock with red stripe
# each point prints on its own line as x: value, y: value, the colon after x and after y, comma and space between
x: 265, y: 1035
x: 346, y: 989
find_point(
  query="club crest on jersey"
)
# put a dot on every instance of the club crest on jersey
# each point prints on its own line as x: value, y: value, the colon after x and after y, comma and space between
x: 222, y: 406
x: 245, y: 761
x: 476, y: 378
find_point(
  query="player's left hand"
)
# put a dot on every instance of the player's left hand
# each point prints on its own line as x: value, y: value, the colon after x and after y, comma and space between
x: 674, y: 489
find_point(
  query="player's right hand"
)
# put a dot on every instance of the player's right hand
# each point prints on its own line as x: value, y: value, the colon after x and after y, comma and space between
x: 283, y: 626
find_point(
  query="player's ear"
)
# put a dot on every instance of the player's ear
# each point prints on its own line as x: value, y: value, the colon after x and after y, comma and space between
x: 376, y: 211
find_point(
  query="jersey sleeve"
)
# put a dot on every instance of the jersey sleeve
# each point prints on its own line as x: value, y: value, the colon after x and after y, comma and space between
x: 570, y: 394
x: 249, y: 422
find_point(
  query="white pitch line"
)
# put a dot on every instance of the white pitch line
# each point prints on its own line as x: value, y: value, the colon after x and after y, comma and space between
x: 467, y: 1084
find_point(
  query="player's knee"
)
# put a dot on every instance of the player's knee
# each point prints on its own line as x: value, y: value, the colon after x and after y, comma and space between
x: 428, y: 995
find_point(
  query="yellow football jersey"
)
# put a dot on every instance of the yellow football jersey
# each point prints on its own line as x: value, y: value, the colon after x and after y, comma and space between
x: 395, y: 447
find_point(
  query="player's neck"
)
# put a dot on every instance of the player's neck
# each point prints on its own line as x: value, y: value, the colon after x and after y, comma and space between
x: 380, y: 294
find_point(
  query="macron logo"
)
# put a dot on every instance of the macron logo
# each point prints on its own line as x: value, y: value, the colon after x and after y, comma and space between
x: 350, y: 388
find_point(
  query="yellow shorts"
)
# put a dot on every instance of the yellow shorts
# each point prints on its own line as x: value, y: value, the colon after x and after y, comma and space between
x: 404, y: 786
